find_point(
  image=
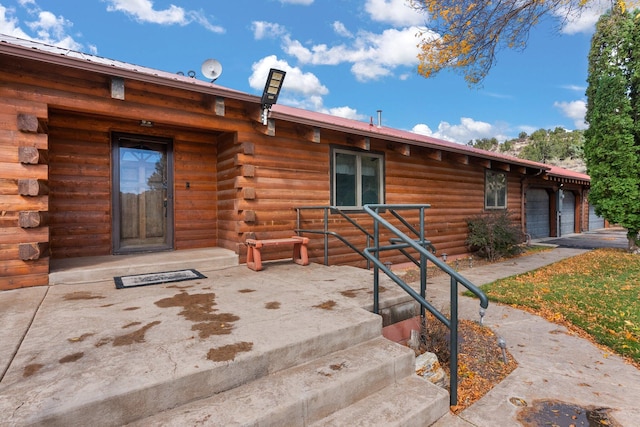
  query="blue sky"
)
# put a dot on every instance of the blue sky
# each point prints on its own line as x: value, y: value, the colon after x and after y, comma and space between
x: 344, y: 57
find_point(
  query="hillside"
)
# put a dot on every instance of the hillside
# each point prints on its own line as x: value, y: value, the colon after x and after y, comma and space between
x: 557, y: 147
x: 575, y: 164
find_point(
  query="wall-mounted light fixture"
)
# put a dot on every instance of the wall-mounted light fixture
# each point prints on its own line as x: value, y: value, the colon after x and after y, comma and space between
x: 271, y: 92
x: 146, y: 123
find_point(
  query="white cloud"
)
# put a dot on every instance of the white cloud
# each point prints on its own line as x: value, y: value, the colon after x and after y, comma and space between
x: 575, y: 110
x: 9, y: 24
x: 369, y: 70
x: 582, y: 21
x: 263, y: 30
x: 468, y: 129
x: 341, y: 30
x: 574, y: 88
x: 346, y: 112
x: 372, y: 55
x: 395, y: 12
x: 47, y: 27
x: 422, y: 129
x: 143, y: 11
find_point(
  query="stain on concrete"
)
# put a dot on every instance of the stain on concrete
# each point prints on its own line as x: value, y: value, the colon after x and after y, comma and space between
x: 135, y: 336
x: 179, y: 286
x: 31, y: 369
x: 338, y: 366
x: 71, y: 357
x: 272, y: 305
x: 352, y: 293
x: 228, y: 352
x: 561, y: 414
x: 130, y: 325
x: 246, y: 291
x: 103, y: 341
x: 199, y: 308
x: 327, y: 305
x: 131, y: 308
x: 81, y: 295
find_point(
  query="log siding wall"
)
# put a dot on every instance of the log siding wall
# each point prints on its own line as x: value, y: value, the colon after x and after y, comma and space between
x: 292, y: 172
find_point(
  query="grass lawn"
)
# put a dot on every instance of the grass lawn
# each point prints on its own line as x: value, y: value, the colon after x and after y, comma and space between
x: 597, y: 292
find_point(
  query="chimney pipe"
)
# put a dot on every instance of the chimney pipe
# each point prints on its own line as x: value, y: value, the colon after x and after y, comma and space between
x: 379, y: 118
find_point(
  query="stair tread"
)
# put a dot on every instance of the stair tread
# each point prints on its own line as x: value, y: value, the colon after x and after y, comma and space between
x: 301, y: 394
x: 411, y: 401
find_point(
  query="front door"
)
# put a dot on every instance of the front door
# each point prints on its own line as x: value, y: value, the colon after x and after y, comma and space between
x: 142, y: 196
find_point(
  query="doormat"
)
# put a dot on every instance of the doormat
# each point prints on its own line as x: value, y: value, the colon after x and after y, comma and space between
x: 157, y: 278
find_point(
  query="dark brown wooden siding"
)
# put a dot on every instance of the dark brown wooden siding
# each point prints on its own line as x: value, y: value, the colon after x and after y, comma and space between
x: 287, y: 172
x: 196, y: 217
x: 292, y: 172
x: 80, y: 176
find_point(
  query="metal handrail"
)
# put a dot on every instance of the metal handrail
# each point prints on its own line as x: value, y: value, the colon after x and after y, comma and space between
x: 326, y: 232
x: 372, y: 253
x: 400, y: 243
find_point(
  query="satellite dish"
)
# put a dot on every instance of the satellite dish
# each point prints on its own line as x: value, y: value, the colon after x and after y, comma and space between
x: 211, y: 69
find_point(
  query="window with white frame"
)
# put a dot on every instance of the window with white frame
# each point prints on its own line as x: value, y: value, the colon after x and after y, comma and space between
x: 358, y: 178
x: 495, y: 190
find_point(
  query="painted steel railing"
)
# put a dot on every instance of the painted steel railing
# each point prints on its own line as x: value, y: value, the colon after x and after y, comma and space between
x: 401, y: 242
x: 326, y: 232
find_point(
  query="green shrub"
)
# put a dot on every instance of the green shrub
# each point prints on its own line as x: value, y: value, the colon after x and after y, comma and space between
x: 494, y: 235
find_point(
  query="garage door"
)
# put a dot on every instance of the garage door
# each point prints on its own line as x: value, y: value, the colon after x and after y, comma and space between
x: 537, y: 213
x: 568, y: 217
x: 595, y: 221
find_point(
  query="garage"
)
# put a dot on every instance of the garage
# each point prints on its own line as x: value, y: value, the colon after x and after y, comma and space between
x: 595, y: 222
x: 537, y: 212
x: 568, y: 217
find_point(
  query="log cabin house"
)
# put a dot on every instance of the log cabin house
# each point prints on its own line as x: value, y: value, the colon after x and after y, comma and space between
x: 100, y: 157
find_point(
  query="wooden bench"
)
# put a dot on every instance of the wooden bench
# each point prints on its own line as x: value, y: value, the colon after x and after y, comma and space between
x: 254, y: 257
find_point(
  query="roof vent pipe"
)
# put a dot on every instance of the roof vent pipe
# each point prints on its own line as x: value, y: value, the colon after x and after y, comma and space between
x: 379, y: 118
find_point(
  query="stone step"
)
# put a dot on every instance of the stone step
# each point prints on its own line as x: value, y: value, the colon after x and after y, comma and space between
x: 306, y: 393
x: 409, y: 402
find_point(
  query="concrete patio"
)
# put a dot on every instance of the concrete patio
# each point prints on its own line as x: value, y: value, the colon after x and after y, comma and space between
x: 290, y: 345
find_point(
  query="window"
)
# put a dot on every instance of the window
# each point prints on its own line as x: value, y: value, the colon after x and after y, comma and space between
x: 357, y: 179
x: 495, y: 190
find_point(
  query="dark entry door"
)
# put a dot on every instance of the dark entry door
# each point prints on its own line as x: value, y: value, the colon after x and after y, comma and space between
x: 142, y: 194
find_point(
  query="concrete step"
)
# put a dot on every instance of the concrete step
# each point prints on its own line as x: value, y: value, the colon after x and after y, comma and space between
x: 121, y: 386
x: 371, y: 371
x: 102, y: 268
x: 409, y: 402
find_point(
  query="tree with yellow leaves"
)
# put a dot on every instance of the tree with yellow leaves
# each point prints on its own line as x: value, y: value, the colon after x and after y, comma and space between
x: 466, y: 35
